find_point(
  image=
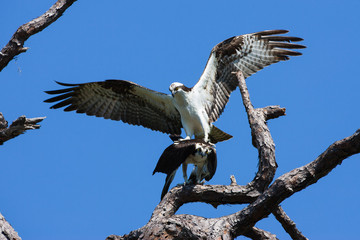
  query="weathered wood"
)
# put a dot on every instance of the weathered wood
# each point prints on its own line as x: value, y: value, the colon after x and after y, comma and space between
x: 259, y: 234
x: 19, y: 126
x: 262, y: 198
x: 16, y: 44
x: 261, y: 137
x: 233, y: 194
x: 164, y: 224
x: 6, y: 230
x: 294, y: 181
x: 13, y: 48
x: 288, y: 224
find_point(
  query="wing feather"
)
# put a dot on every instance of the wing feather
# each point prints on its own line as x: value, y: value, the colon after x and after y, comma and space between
x: 248, y: 53
x: 174, y: 155
x: 120, y: 100
x: 211, y: 165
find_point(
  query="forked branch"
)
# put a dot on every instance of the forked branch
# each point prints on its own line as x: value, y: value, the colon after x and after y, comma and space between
x: 263, y: 199
x: 233, y: 193
x: 294, y: 181
x: 165, y: 224
x: 14, y: 47
x: 19, y: 126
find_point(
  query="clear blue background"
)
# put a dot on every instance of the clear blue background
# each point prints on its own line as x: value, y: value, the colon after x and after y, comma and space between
x: 86, y: 177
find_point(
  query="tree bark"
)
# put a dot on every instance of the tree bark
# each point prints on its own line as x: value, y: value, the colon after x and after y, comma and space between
x: 16, y: 44
x: 6, y: 230
x: 258, y: 234
x: 19, y: 126
x: 288, y: 225
x: 13, y: 48
x: 263, y: 199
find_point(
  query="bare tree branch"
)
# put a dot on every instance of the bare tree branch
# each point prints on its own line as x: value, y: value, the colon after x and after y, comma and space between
x: 261, y: 136
x: 165, y: 225
x: 288, y: 224
x: 16, y: 44
x: 19, y: 126
x: 262, y: 198
x: 268, y: 156
x: 14, y: 47
x: 6, y: 230
x: 211, y: 194
x: 233, y: 194
x: 259, y: 234
x: 294, y: 181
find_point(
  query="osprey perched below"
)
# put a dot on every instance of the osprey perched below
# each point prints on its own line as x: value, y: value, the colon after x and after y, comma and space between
x: 194, y: 109
x: 195, y: 151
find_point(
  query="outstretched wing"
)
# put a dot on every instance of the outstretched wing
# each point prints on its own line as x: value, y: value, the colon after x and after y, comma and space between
x: 248, y: 53
x: 120, y: 100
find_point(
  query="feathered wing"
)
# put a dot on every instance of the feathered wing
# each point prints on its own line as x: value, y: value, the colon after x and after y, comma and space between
x: 120, y: 100
x: 171, y: 159
x: 168, y: 180
x: 248, y: 53
x: 211, y: 165
x: 174, y: 155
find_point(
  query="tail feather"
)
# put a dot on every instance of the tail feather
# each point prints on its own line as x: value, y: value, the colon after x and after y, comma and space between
x: 168, y: 181
x: 216, y: 135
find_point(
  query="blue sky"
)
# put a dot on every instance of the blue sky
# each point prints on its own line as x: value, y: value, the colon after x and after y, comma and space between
x: 81, y: 176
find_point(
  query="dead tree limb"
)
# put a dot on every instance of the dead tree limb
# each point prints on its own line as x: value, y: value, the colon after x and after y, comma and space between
x: 259, y: 234
x: 261, y: 137
x: 266, y: 147
x: 294, y: 181
x: 288, y: 224
x: 263, y: 199
x: 233, y: 194
x: 6, y: 230
x: 19, y: 126
x: 16, y: 44
x: 13, y: 48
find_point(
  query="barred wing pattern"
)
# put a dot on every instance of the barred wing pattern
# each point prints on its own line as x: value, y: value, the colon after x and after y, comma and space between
x: 120, y: 100
x: 248, y: 53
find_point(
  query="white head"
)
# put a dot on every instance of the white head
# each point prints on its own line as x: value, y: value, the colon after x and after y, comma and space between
x: 176, y: 87
x: 202, y: 149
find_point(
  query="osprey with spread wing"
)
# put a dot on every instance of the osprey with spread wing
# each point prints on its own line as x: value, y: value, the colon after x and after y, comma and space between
x: 194, y: 109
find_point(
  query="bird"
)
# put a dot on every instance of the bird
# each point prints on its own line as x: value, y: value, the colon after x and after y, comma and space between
x: 194, y: 151
x: 193, y: 109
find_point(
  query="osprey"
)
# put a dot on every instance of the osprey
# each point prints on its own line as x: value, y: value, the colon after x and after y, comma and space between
x: 195, y: 151
x: 194, y: 109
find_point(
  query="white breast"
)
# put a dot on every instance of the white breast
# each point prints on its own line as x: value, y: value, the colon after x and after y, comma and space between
x: 196, y: 159
x: 193, y: 115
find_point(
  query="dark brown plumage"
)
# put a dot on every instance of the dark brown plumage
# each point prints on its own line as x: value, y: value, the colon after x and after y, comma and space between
x: 195, y: 151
